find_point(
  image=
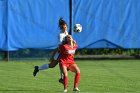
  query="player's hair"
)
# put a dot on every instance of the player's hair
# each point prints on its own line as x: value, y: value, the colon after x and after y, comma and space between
x: 61, y: 23
x: 65, y: 40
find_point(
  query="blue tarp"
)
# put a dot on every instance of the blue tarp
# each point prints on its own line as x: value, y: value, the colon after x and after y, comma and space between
x: 107, y: 23
x: 3, y: 25
x: 34, y: 23
x: 31, y: 24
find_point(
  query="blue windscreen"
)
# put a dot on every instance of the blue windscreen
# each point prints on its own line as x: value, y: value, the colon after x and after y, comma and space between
x: 34, y: 23
x: 3, y: 25
x: 107, y: 23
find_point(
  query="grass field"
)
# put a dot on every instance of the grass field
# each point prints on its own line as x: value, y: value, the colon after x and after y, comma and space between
x: 97, y: 76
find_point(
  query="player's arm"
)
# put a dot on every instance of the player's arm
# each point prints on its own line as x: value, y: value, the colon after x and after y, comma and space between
x: 74, y: 42
x: 60, y: 39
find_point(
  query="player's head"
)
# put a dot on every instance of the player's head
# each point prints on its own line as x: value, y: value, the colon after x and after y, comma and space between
x: 62, y: 24
x: 68, y: 39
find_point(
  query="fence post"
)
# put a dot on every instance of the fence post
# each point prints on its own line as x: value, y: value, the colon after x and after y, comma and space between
x: 70, y: 19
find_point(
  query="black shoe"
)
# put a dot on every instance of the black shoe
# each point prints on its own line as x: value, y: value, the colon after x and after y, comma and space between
x: 35, y: 71
x: 61, y: 80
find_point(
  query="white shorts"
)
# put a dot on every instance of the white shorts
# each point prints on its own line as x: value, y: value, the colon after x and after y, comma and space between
x: 56, y: 55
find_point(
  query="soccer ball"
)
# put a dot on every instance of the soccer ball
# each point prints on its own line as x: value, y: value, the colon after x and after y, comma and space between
x: 78, y: 28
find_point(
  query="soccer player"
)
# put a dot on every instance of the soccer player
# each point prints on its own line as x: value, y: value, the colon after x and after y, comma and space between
x: 54, y: 59
x: 66, y: 59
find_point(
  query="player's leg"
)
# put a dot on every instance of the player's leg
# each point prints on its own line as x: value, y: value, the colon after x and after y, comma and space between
x: 52, y: 64
x: 74, y: 68
x: 61, y: 73
x: 61, y: 80
x: 37, y: 68
x: 65, y: 72
x: 54, y: 59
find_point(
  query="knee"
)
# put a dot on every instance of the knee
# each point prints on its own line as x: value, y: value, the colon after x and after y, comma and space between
x: 77, y: 70
x: 51, y: 66
x: 65, y: 74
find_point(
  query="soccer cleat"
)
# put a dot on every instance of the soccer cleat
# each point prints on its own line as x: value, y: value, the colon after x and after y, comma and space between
x: 35, y: 71
x: 61, y: 80
x: 65, y: 90
x: 76, y: 89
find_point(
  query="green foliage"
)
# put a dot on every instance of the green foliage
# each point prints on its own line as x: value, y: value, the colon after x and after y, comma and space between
x: 30, y: 53
x: 108, y: 52
x: 44, y: 53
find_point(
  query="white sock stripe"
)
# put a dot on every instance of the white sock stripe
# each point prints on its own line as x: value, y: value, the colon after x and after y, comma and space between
x: 44, y: 66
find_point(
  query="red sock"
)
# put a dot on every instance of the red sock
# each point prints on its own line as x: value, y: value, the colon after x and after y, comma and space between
x: 65, y: 82
x: 76, y: 80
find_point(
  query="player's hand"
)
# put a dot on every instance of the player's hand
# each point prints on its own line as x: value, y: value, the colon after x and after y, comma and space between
x: 74, y: 41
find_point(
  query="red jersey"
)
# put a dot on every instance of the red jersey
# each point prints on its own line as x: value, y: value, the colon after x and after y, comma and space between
x: 67, y: 53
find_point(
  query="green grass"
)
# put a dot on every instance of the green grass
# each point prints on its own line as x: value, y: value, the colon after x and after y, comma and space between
x: 97, y: 76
